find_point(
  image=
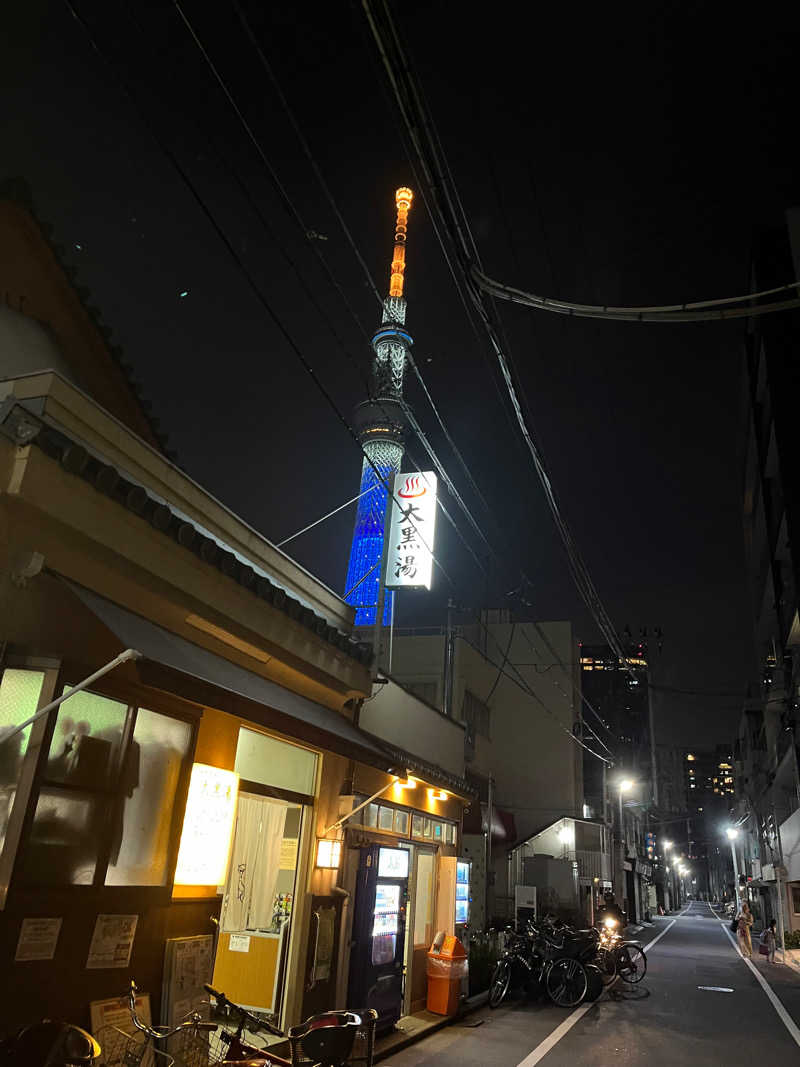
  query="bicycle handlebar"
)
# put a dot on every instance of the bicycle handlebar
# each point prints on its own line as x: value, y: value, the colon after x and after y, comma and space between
x: 195, y: 1021
x: 257, y: 1024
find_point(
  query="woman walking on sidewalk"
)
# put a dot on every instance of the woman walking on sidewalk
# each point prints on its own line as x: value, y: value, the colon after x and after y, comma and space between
x: 770, y: 939
x: 745, y: 920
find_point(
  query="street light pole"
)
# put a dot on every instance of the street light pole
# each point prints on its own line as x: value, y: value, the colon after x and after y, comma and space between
x: 733, y: 833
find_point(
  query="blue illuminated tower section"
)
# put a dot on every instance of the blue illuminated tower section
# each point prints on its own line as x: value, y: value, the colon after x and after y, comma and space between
x: 381, y: 426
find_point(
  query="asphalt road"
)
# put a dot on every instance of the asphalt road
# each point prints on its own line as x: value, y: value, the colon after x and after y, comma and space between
x: 668, y: 1019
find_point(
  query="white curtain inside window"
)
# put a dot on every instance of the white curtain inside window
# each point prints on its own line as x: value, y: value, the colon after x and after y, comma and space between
x: 255, y: 862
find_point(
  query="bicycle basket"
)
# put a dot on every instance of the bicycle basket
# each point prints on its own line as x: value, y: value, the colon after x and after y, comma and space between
x: 119, y: 1049
x: 363, y: 1049
x: 191, y: 1048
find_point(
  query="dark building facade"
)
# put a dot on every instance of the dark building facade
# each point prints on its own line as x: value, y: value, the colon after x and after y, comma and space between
x: 766, y: 754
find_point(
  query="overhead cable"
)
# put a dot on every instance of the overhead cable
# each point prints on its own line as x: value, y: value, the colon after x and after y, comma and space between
x: 443, y: 203
x: 667, y: 313
x: 251, y: 282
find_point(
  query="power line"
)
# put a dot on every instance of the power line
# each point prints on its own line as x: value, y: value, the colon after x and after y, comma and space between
x: 444, y: 205
x: 330, y: 515
x: 666, y: 313
x: 522, y: 684
x: 318, y: 173
x: 251, y: 283
x: 299, y: 221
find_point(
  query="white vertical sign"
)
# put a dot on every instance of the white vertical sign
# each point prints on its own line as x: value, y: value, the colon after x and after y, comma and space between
x: 411, y: 531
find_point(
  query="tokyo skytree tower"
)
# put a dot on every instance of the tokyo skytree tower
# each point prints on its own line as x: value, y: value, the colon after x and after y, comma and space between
x: 381, y: 425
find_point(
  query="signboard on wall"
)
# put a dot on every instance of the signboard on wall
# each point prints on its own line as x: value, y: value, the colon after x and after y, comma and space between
x: 411, y: 531
x: 207, y: 826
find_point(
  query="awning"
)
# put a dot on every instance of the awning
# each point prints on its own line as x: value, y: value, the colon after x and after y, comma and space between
x: 174, y: 665
x: 476, y: 821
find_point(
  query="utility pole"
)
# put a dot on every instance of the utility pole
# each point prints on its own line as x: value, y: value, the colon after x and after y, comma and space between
x: 449, y: 658
x: 378, y: 630
x: 489, y: 821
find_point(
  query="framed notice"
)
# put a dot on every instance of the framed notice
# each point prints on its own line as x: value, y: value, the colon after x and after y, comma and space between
x: 115, y: 1012
x: 37, y: 939
x: 112, y: 941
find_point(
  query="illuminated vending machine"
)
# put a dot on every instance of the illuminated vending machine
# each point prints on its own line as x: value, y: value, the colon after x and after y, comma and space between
x: 379, y: 925
x: 463, y: 895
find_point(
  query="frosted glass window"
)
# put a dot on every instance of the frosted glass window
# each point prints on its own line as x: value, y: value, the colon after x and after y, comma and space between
x: 423, y: 900
x: 386, y: 819
x: 64, y: 840
x: 86, y: 741
x: 401, y: 822
x: 371, y: 818
x: 268, y: 761
x: 150, y: 776
x: 19, y: 697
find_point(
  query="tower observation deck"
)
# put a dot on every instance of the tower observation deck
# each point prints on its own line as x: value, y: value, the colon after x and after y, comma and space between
x: 381, y: 426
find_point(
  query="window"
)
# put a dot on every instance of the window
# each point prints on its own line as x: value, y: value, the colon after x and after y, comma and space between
x: 106, y: 803
x: 269, y: 761
x: 19, y: 698
x: 475, y: 714
x: 796, y: 900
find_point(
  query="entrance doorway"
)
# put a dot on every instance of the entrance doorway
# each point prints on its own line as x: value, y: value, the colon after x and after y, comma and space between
x: 256, y: 914
x: 419, y: 928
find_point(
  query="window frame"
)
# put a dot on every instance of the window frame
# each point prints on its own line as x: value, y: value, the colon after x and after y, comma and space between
x: 134, y: 697
x: 26, y: 787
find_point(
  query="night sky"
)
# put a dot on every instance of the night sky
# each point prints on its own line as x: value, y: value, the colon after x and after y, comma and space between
x: 607, y: 158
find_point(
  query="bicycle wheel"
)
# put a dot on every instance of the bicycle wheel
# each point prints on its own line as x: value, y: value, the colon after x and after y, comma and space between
x: 606, y: 963
x: 632, y: 963
x: 501, y: 980
x: 594, y: 982
x: 567, y: 983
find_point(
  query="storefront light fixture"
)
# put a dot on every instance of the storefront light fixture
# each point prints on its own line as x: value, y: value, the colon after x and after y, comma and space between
x: 409, y: 783
x: 207, y: 826
x: 438, y: 794
x: 329, y: 853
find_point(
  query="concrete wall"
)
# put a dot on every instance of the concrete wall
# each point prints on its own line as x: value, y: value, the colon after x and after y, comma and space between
x: 397, y: 716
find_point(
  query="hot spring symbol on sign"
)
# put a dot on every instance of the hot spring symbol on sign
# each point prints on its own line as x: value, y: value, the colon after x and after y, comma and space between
x: 411, y: 531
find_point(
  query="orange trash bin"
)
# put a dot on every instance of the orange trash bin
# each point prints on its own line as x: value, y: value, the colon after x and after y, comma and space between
x: 446, y: 969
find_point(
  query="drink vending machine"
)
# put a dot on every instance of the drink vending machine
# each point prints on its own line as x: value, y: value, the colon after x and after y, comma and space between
x: 379, y: 926
x: 463, y: 894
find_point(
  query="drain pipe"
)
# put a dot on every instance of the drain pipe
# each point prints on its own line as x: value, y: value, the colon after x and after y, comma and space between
x: 123, y: 657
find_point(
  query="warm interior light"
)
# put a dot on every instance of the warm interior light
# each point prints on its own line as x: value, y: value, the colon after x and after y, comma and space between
x: 438, y: 794
x: 207, y: 826
x: 328, y: 853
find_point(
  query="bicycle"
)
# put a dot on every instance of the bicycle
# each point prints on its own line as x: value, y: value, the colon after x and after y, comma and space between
x: 129, y: 1050
x: 228, y: 1047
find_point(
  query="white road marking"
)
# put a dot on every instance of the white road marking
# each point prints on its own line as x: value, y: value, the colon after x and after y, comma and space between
x: 772, y: 996
x: 716, y: 988
x: 541, y: 1050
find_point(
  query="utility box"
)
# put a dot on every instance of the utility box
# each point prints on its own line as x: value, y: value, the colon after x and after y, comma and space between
x: 448, y: 972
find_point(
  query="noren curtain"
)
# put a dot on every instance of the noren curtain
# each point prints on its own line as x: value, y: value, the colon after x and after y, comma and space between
x: 255, y: 862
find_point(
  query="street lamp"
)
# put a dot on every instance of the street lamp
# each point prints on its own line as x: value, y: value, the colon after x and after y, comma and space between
x: 624, y: 786
x: 733, y: 833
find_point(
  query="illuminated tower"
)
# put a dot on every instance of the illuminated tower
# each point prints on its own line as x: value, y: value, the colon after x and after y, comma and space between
x: 381, y: 425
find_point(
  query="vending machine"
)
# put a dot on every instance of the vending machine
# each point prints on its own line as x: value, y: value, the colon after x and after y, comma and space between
x: 379, y: 926
x: 463, y: 891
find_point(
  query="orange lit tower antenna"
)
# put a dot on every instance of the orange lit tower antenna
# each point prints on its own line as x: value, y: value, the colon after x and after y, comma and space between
x: 381, y: 425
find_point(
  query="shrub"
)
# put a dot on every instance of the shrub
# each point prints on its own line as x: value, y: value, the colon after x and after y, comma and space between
x: 791, y: 939
x: 483, y: 952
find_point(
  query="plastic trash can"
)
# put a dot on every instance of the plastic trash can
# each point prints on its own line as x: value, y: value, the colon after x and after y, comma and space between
x: 447, y: 968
